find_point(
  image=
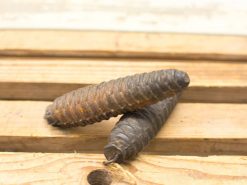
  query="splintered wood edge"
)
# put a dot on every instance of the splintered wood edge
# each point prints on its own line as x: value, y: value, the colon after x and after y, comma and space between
x: 47, y: 78
x: 47, y: 168
x: 192, y: 128
x: 121, y: 44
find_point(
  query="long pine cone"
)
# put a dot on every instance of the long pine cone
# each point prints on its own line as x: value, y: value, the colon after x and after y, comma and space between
x: 135, y: 129
x: 108, y: 99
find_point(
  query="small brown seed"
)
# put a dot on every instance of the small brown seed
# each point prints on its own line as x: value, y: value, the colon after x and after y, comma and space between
x: 100, y: 102
x: 135, y: 129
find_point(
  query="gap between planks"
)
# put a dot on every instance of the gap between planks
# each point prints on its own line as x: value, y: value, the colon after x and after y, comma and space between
x: 46, y: 78
x: 193, y: 128
x: 121, y: 44
x: 47, y: 168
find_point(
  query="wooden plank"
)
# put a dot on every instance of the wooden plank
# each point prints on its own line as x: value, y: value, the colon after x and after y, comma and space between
x: 206, y: 16
x: 46, y: 168
x: 122, y: 44
x: 46, y: 78
x: 193, y: 128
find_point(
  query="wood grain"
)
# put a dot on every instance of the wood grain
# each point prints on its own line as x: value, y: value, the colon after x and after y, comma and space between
x: 46, y: 78
x: 191, y: 16
x: 192, y: 128
x: 121, y: 44
x: 47, y: 168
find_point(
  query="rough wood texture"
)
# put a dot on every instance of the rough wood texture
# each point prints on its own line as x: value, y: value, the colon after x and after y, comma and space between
x: 192, y: 128
x: 45, y: 79
x: 122, y: 44
x: 205, y: 16
x: 36, y: 168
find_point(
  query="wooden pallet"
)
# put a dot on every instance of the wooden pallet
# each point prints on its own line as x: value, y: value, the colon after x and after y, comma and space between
x: 203, y: 142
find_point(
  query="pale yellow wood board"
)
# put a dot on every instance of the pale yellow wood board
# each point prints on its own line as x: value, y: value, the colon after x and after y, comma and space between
x: 201, y: 128
x: 94, y: 71
x: 122, y: 44
x: 46, y: 78
x: 47, y: 168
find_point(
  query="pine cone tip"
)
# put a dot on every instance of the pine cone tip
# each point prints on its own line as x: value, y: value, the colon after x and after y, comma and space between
x: 183, y: 79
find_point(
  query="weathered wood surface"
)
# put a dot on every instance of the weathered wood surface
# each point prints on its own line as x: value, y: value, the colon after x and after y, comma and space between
x: 192, y: 128
x: 191, y: 16
x: 122, y: 44
x: 46, y: 78
x: 216, y: 64
x: 47, y: 168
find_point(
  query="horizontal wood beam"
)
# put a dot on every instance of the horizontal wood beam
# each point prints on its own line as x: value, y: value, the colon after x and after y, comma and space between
x: 46, y: 78
x: 47, y: 168
x: 192, y: 128
x: 121, y: 44
x: 221, y: 17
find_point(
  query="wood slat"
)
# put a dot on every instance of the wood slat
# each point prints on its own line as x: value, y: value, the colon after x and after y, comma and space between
x: 192, y: 128
x: 37, y: 168
x: 46, y: 78
x: 207, y: 16
x: 121, y: 44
